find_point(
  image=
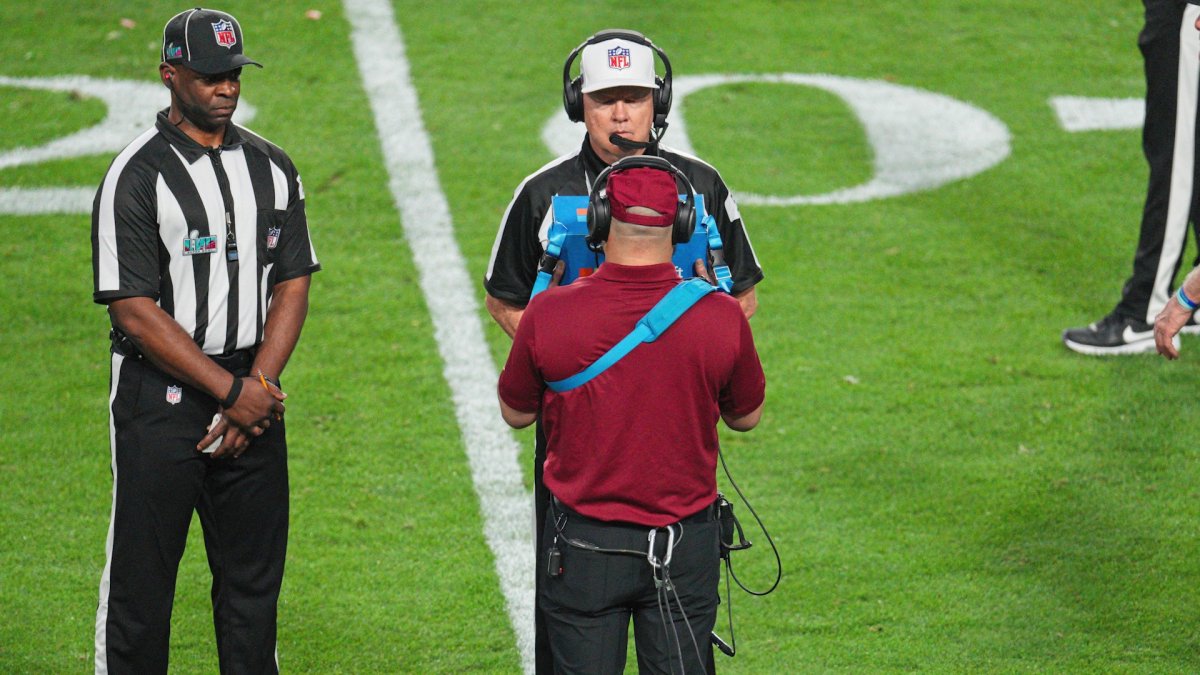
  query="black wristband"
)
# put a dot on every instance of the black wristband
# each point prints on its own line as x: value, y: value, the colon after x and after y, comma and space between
x: 234, y: 392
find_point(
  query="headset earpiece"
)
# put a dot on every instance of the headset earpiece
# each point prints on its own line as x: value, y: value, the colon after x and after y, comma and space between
x: 573, y: 98
x: 599, y: 213
x: 662, y: 96
x: 685, y: 215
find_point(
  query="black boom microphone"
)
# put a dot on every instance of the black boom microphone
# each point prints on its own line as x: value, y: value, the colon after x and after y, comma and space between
x: 622, y: 142
x: 660, y: 126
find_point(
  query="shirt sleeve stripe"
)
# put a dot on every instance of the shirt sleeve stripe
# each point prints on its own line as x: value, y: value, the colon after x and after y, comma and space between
x: 108, y: 272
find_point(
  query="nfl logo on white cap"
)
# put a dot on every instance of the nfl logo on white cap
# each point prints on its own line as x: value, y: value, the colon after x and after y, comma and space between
x: 618, y: 58
x: 616, y: 63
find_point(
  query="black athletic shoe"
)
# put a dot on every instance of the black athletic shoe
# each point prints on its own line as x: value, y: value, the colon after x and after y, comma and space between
x: 1111, y: 335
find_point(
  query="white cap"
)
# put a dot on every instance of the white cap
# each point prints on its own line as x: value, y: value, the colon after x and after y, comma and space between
x: 616, y: 63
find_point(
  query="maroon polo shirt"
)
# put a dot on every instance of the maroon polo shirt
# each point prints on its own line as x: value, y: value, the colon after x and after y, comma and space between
x: 638, y: 443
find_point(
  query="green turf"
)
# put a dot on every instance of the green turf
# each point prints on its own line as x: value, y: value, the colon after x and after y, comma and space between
x: 45, y: 115
x: 951, y: 490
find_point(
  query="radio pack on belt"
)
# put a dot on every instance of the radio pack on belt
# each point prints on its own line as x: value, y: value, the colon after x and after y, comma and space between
x: 567, y: 242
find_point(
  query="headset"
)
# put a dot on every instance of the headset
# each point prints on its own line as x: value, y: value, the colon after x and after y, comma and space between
x: 599, y: 213
x: 572, y: 88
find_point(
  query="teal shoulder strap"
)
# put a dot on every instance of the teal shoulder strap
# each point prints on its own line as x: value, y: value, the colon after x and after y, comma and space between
x: 648, y: 328
x: 556, y: 237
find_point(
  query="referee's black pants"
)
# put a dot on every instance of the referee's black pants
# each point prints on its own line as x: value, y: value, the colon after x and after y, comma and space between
x: 1169, y: 43
x: 588, y: 606
x: 159, y: 479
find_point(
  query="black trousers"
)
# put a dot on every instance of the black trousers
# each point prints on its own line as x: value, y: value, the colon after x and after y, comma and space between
x: 1169, y: 43
x: 587, y: 608
x: 158, y: 481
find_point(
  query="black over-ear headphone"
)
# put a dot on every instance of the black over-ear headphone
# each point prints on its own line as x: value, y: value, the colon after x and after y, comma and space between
x: 572, y: 88
x: 599, y: 214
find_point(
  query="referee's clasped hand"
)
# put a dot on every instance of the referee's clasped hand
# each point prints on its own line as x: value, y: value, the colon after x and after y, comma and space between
x: 233, y: 440
x: 249, y: 416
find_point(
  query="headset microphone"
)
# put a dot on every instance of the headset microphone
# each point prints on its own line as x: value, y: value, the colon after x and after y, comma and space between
x: 622, y: 142
x: 627, y: 144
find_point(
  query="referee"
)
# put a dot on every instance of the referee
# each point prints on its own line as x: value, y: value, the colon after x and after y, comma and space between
x: 1170, y: 46
x: 201, y: 251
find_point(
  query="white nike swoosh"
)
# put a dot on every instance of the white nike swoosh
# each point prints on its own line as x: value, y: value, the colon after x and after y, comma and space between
x: 1129, y: 335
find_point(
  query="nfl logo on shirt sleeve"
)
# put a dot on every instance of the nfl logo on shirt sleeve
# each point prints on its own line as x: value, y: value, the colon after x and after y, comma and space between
x: 618, y: 58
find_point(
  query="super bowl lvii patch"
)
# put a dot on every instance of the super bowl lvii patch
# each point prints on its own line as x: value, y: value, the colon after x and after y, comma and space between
x: 196, y: 245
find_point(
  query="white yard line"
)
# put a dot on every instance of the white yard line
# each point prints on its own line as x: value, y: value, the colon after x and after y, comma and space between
x: 505, y: 505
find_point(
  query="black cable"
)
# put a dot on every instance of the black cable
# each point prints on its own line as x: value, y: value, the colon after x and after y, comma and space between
x: 688, y: 624
x: 668, y: 622
x: 774, y: 549
x: 589, y: 546
x: 731, y: 648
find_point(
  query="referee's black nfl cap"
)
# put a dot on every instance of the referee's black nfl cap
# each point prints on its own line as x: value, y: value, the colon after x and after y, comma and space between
x: 206, y: 40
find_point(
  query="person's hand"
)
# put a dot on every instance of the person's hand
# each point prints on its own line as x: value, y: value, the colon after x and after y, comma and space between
x: 234, y: 444
x: 702, y: 271
x: 557, y: 275
x: 255, y: 407
x: 1167, y: 325
x: 233, y: 440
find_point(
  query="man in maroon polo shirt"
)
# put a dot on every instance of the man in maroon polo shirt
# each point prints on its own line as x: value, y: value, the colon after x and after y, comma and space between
x: 631, y: 454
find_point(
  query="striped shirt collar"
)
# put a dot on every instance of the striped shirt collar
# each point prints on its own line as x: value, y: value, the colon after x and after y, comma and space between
x: 188, y: 147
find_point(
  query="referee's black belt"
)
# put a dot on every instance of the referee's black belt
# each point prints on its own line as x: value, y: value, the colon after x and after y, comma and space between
x: 707, y: 514
x: 235, y: 361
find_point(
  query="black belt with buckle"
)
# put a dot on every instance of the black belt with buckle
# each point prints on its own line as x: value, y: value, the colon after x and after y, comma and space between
x: 705, y: 515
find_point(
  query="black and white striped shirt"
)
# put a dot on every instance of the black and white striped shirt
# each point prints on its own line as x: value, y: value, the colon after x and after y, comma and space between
x: 525, y: 227
x: 205, y: 232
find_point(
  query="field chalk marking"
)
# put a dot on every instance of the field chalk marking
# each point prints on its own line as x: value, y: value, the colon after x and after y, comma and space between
x: 505, y: 505
x: 1089, y: 113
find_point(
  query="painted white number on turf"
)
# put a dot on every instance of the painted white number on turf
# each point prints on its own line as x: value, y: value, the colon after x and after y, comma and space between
x: 921, y: 140
x: 131, y: 107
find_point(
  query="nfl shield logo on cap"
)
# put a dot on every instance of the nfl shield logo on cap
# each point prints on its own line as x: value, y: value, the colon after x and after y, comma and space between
x: 618, y: 58
x: 223, y: 30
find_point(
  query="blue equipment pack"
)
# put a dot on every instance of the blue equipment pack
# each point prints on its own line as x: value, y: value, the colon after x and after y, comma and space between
x: 660, y: 317
x: 567, y: 242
